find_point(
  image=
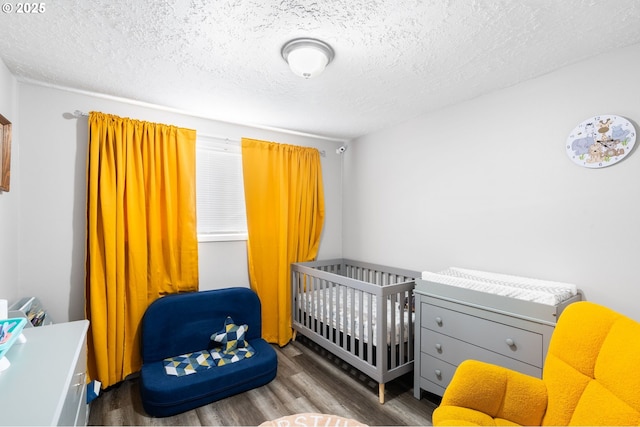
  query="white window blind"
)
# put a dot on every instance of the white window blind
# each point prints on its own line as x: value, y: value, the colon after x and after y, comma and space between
x: 219, y: 190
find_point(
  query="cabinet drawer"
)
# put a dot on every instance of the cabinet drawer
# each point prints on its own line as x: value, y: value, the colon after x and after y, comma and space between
x: 435, y: 370
x: 75, y: 404
x: 455, y: 352
x: 509, y: 341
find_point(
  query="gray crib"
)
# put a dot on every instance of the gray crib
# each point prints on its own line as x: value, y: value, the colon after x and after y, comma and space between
x: 360, y: 312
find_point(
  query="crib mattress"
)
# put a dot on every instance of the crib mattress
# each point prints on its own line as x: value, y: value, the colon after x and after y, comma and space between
x: 337, y: 312
x: 523, y: 288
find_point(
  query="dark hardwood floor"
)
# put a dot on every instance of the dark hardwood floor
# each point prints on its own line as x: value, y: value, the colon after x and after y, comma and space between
x: 309, y: 380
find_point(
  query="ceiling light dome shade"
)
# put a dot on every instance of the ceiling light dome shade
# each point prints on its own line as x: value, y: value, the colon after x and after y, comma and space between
x: 307, y: 57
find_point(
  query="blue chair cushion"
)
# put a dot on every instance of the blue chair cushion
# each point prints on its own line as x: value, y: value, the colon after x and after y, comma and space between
x: 164, y: 395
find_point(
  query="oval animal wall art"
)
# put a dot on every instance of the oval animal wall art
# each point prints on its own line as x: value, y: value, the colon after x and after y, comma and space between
x: 601, y: 141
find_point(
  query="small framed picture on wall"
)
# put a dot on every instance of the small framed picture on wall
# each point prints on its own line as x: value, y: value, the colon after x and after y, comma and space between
x: 5, y: 153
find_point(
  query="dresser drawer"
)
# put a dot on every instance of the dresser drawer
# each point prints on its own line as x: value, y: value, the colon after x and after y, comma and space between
x: 455, y: 352
x: 435, y: 370
x: 75, y: 403
x: 515, y: 343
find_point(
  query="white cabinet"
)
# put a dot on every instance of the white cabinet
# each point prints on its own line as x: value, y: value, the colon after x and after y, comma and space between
x: 46, y: 382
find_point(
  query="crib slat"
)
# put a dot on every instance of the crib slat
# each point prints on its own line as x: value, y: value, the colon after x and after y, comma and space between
x: 391, y: 304
x: 330, y: 309
x: 381, y: 331
x: 402, y: 333
x: 339, y: 320
x: 314, y: 304
x: 345, y: 318
x: 371, y: 341
x: 352, y: 326
x: 360, y: 319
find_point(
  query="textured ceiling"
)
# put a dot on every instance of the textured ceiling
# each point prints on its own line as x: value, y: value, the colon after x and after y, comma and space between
x: 395, y: 59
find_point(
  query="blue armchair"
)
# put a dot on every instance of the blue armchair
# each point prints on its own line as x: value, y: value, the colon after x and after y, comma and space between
x: 184, y: 323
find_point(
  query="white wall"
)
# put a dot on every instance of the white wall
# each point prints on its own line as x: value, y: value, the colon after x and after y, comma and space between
x: 9, y: 201
x: 52, y: 212
x: 487, y: 185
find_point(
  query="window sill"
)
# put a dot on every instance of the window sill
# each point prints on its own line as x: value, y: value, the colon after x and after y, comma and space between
x: 204, y: 238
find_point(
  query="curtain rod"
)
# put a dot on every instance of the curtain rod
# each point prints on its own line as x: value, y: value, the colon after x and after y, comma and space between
x: 81, y: 114
x: 78, y: 114
x: 323, y: 153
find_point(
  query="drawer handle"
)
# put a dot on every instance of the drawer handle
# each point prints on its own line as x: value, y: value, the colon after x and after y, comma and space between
x: 438, y: 374
x: 510, y: 342
x: 82, y: 379
x: 439, y: 321
x: 439, y: 347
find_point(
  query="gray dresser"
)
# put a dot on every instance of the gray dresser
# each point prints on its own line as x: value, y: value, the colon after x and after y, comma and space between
x: 454, y: 324
x: 46, y: 382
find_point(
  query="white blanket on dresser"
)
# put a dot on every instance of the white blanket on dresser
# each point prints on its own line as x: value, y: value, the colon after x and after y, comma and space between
x: 535, y: 290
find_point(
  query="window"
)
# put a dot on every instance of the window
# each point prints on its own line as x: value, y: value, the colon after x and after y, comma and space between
x: 219, y: 190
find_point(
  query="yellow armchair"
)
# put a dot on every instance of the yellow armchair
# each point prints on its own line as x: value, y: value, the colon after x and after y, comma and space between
x: 591, y: 376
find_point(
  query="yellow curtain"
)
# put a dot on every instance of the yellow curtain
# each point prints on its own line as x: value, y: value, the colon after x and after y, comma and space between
x: 285, y: 214
x: 141, y: 233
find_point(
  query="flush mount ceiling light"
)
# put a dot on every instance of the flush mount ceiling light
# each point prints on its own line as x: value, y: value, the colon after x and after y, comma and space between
x: 307, y: 57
